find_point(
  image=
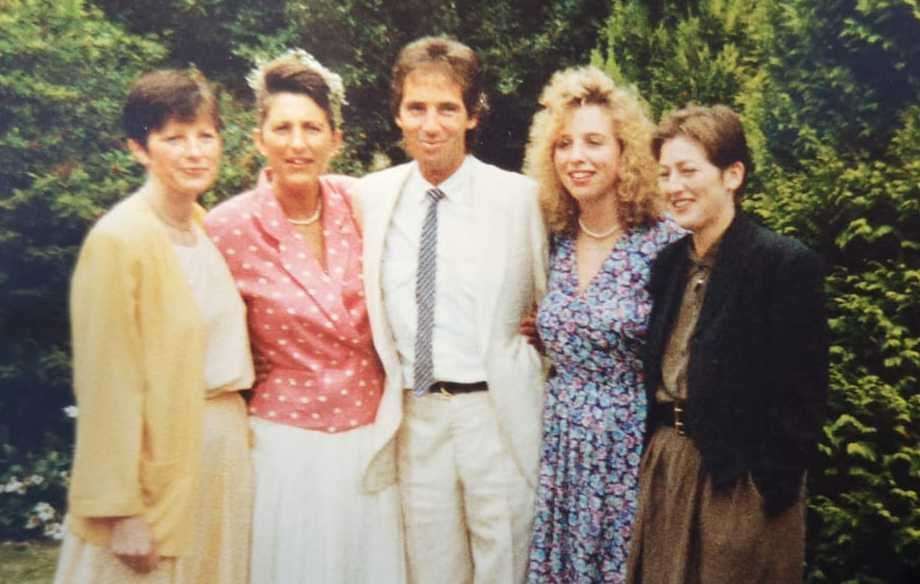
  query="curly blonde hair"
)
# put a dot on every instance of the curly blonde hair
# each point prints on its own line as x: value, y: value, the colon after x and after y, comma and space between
x: 635, y: 190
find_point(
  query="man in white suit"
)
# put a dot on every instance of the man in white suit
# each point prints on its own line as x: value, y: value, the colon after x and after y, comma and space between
x: 454, y: 258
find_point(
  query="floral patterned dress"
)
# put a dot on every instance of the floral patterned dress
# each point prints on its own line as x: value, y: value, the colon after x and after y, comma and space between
x: 594, y: 414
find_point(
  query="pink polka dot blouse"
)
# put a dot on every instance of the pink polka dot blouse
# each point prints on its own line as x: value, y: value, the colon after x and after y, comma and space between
x: 308, y: 327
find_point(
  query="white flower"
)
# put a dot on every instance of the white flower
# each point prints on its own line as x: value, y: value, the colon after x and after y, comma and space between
x: 44, y: 511
x: 35, y: 480
x: 70, y: 411
x: 256, y: 79
x: 54, y: 531
x: 15, y: 486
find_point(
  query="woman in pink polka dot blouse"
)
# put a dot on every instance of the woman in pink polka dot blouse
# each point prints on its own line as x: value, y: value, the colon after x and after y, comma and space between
x: 294, y: 248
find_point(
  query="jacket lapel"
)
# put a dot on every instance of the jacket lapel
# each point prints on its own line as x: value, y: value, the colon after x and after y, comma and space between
x: 667, y: 289
x: 296, y: 261
x: 489, y: 234
x: 378, y: 201
x: 727, y: 273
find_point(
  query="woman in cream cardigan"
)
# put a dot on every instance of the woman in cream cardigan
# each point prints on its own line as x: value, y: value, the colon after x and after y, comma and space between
x: 160, y: 490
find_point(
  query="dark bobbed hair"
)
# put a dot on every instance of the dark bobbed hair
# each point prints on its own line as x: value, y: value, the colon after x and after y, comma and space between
x: 288, y: 74
x: 167, y: 94
x: 442, y: 54
x: 717, y: 129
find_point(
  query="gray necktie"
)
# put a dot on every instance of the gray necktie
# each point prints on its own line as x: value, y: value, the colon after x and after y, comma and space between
x: 425, y: 294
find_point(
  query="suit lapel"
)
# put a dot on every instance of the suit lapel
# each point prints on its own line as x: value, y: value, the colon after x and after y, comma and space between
x: 377, y: 217
x: 378, y: 201
x: 490, y: 234
x: 727, y: 273
x: 667, y: 295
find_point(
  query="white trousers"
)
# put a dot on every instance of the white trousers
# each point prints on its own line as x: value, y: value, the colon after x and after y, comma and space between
x: 467, y: 508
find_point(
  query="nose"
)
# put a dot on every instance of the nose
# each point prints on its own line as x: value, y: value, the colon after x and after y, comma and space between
x: 430, y: 121
x: 577, y: 151
x: 297, y: 139
x: 195, y: 147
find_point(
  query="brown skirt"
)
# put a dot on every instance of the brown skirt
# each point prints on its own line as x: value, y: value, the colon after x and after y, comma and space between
x: 689, y: 533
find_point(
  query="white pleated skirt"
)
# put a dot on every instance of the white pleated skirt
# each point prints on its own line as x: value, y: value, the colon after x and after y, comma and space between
x: 312, y: 521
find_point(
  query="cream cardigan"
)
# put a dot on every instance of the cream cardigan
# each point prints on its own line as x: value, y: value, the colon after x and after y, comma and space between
x: 138, y: 358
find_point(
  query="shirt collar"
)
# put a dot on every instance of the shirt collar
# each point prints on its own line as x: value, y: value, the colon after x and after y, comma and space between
x: 709, y: 258
x: 455, y: 188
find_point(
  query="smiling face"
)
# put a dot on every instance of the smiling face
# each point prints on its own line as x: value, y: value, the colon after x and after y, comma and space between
x: 297, y: 140
x: 586, y: 153
x: 700, y: 195
x: 434, y: 122
x: 182, y: 157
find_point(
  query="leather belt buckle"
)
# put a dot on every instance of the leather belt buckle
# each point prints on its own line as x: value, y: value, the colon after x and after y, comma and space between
x: 678, y: 409
x: 449, y: 389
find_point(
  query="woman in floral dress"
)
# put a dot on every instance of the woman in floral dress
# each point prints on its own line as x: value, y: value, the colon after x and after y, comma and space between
x: 589, y: 150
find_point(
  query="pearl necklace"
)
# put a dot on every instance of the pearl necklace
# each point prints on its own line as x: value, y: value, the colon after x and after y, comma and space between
x: 311, y: 219
x: 594, y: 234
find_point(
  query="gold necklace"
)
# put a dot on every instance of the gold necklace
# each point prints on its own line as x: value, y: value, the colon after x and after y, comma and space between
x: 168, y: 221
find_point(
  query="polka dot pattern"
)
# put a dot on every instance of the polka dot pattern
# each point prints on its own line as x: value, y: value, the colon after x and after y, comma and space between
x: 308, y: 326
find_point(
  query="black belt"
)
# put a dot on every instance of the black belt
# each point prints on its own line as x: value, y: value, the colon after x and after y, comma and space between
x: 455, y: 388
x: 672, y: 414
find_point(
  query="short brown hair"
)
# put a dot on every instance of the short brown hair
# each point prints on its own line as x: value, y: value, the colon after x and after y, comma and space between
x: 163, y: 95
x: 452, y: 57
x: 717, y: 129
x: 636, y: 194
x: 290, y: 74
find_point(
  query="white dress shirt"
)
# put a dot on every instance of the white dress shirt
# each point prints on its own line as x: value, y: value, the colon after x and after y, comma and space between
x: 455, y: 347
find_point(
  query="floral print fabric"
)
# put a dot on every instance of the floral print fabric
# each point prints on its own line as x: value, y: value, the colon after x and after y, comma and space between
x: 595, y: 408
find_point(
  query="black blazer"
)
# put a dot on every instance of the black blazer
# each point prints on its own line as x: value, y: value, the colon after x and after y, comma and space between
x: 757, y: 376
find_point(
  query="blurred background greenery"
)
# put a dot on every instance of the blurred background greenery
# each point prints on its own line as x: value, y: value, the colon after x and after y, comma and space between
x: 828, y: 89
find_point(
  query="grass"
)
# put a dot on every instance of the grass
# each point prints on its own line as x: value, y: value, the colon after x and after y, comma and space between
x: 27, y: 562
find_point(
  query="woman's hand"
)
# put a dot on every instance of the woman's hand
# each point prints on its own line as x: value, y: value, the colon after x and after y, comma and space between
x: 528, y: 328
x: 133, y: 544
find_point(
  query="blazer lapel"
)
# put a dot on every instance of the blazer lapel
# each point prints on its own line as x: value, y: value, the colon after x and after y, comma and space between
x: 727, y: 274
x: 378, y: 201
x: 377, y: 216
x: 667, y: 294
x: 489, y: 234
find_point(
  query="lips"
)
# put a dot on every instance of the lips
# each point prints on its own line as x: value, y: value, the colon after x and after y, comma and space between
x: 298, y: 161
x: 581, y: 175
x: 679, y: 204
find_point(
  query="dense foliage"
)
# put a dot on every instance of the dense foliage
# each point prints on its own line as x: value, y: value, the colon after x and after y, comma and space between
x: 828, y: 89
x: 829, y: 94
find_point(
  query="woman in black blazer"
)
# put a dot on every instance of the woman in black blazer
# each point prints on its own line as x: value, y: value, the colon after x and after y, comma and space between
x: 736, y: 370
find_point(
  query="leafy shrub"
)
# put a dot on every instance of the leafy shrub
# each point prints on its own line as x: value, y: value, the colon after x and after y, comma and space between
x: 828, y: 93
x: 33, y: 493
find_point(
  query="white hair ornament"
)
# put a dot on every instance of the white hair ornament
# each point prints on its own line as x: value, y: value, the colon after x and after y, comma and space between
x: 256, y: 78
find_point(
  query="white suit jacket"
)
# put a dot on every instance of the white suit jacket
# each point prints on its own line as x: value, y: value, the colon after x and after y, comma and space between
x: 511, y: 241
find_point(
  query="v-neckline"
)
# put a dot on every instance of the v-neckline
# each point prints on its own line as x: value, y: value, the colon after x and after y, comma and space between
x: 579, y: 292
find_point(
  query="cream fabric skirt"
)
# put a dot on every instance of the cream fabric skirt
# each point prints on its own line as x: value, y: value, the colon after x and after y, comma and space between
x: 312, y: 520
x: 220, y: 548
